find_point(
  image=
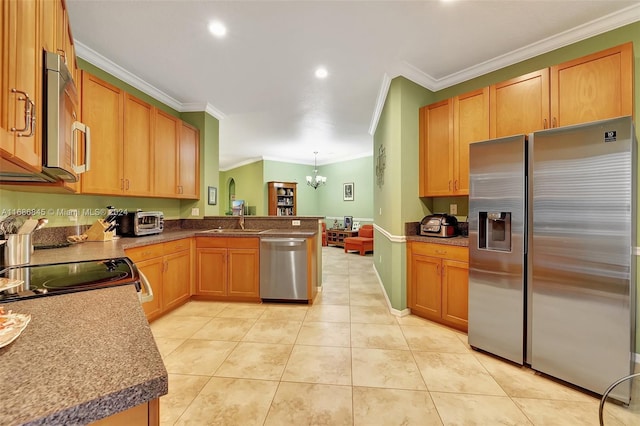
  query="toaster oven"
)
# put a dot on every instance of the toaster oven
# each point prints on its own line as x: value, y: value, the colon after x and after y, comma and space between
x: 439, y: 225
x: 136, y: 224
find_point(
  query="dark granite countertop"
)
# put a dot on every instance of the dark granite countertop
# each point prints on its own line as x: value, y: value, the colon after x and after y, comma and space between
x: 412, y: 234
x: 453, y: 241
x: 92, y: 250
x: 84, y: 356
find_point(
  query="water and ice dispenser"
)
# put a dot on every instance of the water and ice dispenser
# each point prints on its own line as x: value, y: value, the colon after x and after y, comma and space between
x: 494, y: 231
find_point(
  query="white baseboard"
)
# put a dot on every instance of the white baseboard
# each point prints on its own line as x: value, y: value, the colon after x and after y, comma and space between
x: 392, y: 310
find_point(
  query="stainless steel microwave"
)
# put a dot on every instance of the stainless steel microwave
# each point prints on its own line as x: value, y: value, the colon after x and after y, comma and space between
x: 66, y: 142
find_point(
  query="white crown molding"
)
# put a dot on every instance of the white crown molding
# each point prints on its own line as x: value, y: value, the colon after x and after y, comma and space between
x: 206, y: 107
x: 382, y: 96
x: 107, y: 65
x: 242, y: 163
x: 609, y: 22
x: 117, y: 71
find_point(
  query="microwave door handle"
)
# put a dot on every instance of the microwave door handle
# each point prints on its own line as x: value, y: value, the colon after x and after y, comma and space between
x: 147, y: 289
x: 81, y: 168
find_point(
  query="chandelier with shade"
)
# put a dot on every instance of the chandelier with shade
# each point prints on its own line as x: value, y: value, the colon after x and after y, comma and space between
x: 316, y: 180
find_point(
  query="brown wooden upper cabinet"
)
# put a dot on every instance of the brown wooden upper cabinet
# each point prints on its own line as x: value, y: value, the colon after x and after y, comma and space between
x: 188, y: 162
x: 122, y: 133
x: 21, y: 86
x: 591, y: 88
x: 137, y: 150
x: 176, y: 153
x: 446, y: 130
x: 167, y: 130
x: 519, y: 105
x: 594, y: 87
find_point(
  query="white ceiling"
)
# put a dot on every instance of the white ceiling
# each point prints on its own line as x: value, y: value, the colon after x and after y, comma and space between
x: 259, y: 80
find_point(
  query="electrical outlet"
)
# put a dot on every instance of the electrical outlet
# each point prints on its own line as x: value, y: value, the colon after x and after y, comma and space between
x: 295, y: 223
x: 380, y: 258
x: 453, y: 209
x: 380, y: 211
x: 73, y: 215
x: 195, y: 211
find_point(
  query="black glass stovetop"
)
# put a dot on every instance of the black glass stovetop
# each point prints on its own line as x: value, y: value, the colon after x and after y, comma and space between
x: 60, y: 278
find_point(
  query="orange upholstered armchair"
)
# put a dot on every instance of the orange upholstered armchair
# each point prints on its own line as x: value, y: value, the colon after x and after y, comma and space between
x: 362, y: 243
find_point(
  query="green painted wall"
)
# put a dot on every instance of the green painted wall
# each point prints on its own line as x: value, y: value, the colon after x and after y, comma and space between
x: 397, y: 135
x: 54, y: 206
x: 330, y: 202
x: 248, y: 187
x: 209, y: 160
x: 324, y: 201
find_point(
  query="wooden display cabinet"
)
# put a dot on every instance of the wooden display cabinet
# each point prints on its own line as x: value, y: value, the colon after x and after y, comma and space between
x: 282, y: 198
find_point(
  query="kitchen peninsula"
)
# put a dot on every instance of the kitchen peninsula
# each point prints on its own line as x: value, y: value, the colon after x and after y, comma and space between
x: 89, y: 355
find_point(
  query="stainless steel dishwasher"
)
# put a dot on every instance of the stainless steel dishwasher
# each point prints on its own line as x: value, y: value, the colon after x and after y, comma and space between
x: 283, y: 269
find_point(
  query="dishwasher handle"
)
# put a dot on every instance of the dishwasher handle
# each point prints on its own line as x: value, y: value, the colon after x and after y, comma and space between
x: 290, y: 242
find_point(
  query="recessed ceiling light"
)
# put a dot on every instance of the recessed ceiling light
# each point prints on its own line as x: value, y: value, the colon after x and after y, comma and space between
x: 322, y: 72
x: 218, y: 29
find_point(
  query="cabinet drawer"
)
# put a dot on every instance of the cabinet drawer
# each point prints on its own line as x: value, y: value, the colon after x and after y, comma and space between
x: 143, y: 253
x: 215, y: 242
x: 176, y: 246
x: 440, y: 250
x: 243, y: 243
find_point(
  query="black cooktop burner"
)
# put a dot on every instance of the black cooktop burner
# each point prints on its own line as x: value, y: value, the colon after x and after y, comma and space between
x: 58, y: 278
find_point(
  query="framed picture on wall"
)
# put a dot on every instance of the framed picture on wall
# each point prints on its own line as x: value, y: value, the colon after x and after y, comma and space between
x: 347, y: 191
x: 213, y: 196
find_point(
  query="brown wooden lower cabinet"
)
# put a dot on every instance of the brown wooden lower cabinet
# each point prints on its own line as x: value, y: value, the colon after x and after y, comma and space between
x: 167, y: 266
x: 438, y: 281
x: 147, y: 414
x: 228, y: 268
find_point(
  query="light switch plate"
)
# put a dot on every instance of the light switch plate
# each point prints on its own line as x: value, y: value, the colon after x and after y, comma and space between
x: 295, y: 223
x: 195, y: 211
x: 453, y: 209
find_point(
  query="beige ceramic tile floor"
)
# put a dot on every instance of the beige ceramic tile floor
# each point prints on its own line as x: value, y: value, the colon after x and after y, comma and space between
x: 346, y: 361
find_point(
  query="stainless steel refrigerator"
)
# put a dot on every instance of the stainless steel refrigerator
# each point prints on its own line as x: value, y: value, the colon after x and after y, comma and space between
x: 552, y: 236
